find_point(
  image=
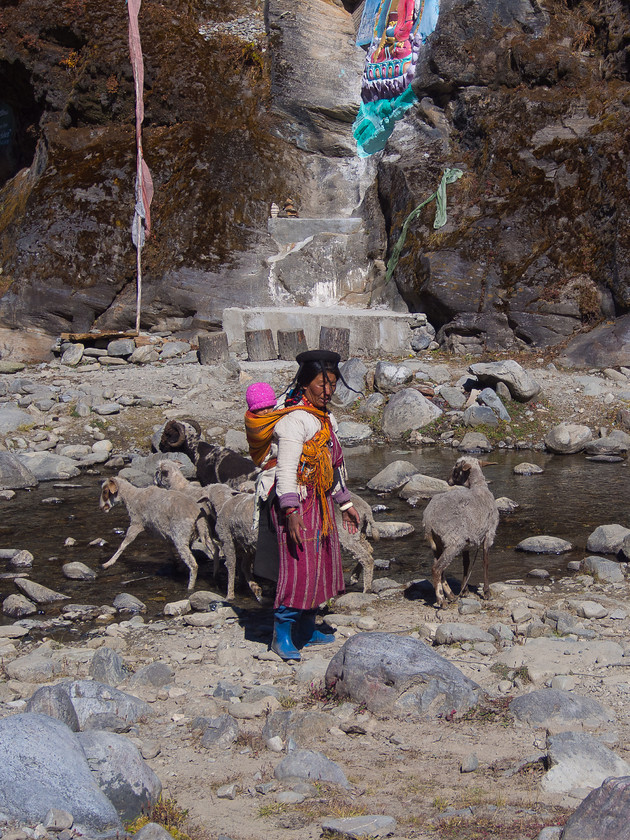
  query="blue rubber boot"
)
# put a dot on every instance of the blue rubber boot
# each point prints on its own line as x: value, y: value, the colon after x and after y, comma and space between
x: 282, y: 644
x: 308, y: 634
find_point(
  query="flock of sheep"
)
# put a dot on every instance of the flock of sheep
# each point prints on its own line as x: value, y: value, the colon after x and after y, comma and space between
x: 216, y: 514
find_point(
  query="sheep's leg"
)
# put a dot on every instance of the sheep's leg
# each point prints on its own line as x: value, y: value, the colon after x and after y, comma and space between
x: 188, y: 558
x: 466, y: 565
x: 440, y: 564
x: 224, y: 534
x: 133, y: 531
x: 447, y: 589
x: 486, y: 581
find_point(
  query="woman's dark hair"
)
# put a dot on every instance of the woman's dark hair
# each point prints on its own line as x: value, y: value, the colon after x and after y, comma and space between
x: 305, y: 375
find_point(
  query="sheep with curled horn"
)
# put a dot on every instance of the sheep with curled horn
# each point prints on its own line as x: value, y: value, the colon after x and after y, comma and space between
x: 214, y: 464
x: 454, y: 522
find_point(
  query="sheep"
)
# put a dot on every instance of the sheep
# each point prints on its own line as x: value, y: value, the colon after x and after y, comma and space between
x: 171, y: 515
x: 214, y: 464
x: 232, y: 514
x: 232, y: 517
x: 464, y: 517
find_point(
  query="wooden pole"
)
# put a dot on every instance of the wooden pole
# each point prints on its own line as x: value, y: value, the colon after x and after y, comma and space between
x: 139, y: 273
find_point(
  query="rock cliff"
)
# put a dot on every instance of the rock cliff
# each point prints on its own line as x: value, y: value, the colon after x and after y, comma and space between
x: 246, y: 105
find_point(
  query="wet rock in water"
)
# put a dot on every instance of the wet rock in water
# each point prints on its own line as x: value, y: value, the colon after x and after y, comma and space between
x: 221, y: 731
x: 39, y: 593
x: 309, y: 764
x: 522, y: 386
x: 7, y: 495
x: 506, y: 505
x: 607, y: 539
x: 22, y: 559
x: 540, y: 574
x: 389, y: 377
x: 350, y: 432
x: 80, y: 612
x: 78, y: 571
x: 606, y: 571
x: 156, y: 674
x: 408, y: 410
x: 544, y: 544
x: 17, y: 606
x: 526, y: 468
x: 617, y: 443
x: 14, y: 475
x: 378, y: 668
x: 107, y: 666
x: 124, y: 602
x: 392, y: 477
x: 567, y: 438
x: 580, y: 761
x: 604, y: 814
x: 550, y: 708
x: 46, y: 466
x: 35, y: 778
x: 394, y: 530
x: 360, y: 827
x: 475, y: 442
x: 122, y: 774
x: 422, y: 486
x: 353, y: 372
x: 54, y: 701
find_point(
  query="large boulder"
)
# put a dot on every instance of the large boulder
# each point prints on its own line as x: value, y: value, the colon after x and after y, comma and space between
x: 13, y: 474
x: 122, y: 774
x: 392, y: 477
x: 390, y: 377
x: 552, y: 708
x: 408, y: 410
x: 603, y: 815
x: 579, y: 760
x: 43, y: 766
x: 99, y: 706
x: 46, y: 466
x: 12, y: 418
x: 607, y: 539
x: 397, y: 674
x: 522, y: 386
x: 567, y: 438
x: 352, y: 386
x: 608, y: 345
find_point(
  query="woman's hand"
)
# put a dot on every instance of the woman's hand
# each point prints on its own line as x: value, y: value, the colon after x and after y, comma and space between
x: 351, y: 519
x: 295, y: 526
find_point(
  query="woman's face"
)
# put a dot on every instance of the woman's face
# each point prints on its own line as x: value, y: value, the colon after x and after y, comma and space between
x: 320, y: 389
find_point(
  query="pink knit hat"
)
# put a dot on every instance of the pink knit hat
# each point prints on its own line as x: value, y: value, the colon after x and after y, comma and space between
x: 260, y: 395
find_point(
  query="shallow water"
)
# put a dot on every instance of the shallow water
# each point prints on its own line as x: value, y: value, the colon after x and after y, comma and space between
x: 569, y: 500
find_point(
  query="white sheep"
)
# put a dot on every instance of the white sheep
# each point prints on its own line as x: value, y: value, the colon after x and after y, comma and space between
x: 463, y: 518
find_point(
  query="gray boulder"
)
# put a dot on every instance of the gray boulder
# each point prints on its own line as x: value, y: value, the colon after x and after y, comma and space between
x: 72, y: 355
x: 93, y: 701
x: 455, y: 397
x: 310, y: 765
x: 149, y: 463
x: 152, y: 831
x: 350, y: 432
x: 389, y: 377
x: 422, y: 337
x: 544, y: 544
x: 371, y: 406
x: 122, y: 774
x: 392, y: 477
x: 475, y: 442
x: 606, y: 571
x: 607, y: 539
x: 408, y: 410
x: 617, y: 443
x: 156, y: 674
x: 453, y: 632
x: 54, y: 701
x: 78, y: 571
x: 124, y: 602
x: 13, y: 474
x: 525, y: 468
x: 46, y: 466
x: 492, y: 400
x: 42, y: 766
x: 121, y: 347
x: 221, y: 731
x: 580, y: 761
x: 397, y: 674
x: 391, y: 530
x: 551, y: 707
x: 39, y: 593
x: 353, y: 372
x: 523, y: 387
x: 108, y: 667
x: 17, y: 606
x: 301, y: 726
x: 625, y: 548
x: 480, y: 415
x: 12, y: 418
x: 355, y: 828
x: 35, y: 667
x: 422, y: 486
x: 603, y: 815
x: 567, y: 438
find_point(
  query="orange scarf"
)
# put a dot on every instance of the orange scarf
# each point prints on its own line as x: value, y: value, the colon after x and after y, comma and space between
x: 315, y: 467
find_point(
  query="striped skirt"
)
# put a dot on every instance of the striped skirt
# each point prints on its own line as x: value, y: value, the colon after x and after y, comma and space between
x: 312, y: 574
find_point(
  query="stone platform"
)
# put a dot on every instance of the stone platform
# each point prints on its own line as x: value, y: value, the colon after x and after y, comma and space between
x: 373, y: 332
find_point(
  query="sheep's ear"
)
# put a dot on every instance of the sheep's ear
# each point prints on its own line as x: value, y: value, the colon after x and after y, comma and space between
x: 112, y: 485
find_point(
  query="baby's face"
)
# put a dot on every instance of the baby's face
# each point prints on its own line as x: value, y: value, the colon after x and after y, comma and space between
x: 261, y: 412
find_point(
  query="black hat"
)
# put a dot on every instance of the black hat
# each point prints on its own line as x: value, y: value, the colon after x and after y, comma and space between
x: 318, y: 356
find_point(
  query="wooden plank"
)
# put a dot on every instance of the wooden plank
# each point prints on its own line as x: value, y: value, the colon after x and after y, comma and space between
x: 260, y: 346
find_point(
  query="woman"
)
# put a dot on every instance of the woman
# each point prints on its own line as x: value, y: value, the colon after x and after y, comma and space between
x: 310, y: 474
